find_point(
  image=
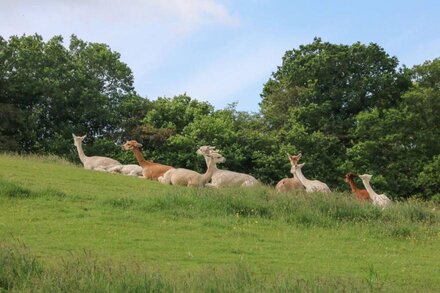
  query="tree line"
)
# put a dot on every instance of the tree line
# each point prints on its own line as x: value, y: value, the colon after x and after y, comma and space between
x: 345, y: 107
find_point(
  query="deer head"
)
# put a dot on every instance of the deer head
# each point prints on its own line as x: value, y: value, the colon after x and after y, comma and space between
x: 296, y: 167
x: 130, y: 145
x: 349, y: 177
x: 366, y: 177
x: 206, y: 149
x: 216, y: 157
x: 294, y: 159
x: 77, y: 140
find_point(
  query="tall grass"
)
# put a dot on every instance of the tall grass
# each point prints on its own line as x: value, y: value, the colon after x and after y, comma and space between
x: 22, y: 272
x: 300, y: 209
x: 402, y: 220
x: 50, y: 159
x: 15, y: 191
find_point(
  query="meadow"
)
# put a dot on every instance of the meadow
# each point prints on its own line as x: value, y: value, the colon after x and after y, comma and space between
x: 63, y: 228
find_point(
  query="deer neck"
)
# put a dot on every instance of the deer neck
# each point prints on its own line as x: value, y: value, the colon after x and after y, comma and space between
x: 214, y: 164
x: 209, y: 171
x: 353, y: 186
x: 137, y: 153
x: 368, y: 187
x: 300, y: 176
x: 81, y: 154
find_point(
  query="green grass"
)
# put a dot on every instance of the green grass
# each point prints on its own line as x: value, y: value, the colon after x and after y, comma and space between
x: 70, y: 229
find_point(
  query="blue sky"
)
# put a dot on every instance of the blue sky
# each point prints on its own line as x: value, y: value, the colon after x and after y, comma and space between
x: 223, y: 51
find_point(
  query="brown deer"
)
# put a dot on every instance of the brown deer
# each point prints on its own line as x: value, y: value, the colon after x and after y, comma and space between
x: 150, y: 170
x: 289, y: 184
x: 361, y: 194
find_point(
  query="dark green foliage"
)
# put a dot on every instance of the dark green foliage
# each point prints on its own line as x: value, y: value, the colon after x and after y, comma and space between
x: 429, y: 178
x: 400, y: 143
x: 327, y: 85
x: 49, y: 91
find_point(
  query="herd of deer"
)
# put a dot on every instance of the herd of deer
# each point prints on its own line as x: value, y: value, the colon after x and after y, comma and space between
x: 214, y: 177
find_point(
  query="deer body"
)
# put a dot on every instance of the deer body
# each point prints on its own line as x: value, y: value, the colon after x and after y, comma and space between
x: 361, y: 194
x: 289, y: 184
x: 150, y: 170
x: 129, y: 170
x: 97, y: 163
x: 226, y: 178
x: 310, y: 185
x: 190, y: 178
x: 380, y: 200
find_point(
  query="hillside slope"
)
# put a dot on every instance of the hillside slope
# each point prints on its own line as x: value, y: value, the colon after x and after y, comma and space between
x: 62, y: 212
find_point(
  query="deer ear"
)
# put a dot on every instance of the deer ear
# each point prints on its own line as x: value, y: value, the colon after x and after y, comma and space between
x: 299, y: 155
x: 82, y: 137
x: 73, y: 135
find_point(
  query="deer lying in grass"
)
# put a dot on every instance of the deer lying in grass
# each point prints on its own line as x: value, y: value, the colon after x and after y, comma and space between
x: 190, y: 178
x: 226, y: 178
x: 310, y: 185
x: 361, y: 194
x: 380, y: 200
x: 96, y: 162
x: 289, y: 184
x: 150, y: 170
x: 129, y: 170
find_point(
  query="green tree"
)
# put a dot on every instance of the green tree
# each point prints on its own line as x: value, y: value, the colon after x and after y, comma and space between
x: 398, y: 143
x: 175, y: 113
x: 313, y: 98
x: 329, y: 84
x: 57, y: 90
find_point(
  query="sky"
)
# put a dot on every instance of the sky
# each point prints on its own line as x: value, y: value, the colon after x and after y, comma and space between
x: 224, y: 51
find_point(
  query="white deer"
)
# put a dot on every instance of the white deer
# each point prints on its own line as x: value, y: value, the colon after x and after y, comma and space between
x: 310, y: 185
x: 129, y: 170
x: 226, y: 178
x: 96, y: 162
x: 289, y: 184
x: 190, y: 178
x: 380, y: 200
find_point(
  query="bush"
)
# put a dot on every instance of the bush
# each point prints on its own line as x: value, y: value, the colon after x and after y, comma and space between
x: 429, y: 178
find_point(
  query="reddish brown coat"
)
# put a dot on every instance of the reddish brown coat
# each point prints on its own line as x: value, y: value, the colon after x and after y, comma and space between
x: 150, y: 170
x: 361, y: 194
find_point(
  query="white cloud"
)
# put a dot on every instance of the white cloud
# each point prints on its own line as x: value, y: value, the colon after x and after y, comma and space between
x: 145, y: 32
x: 179, y: 16
x: 238, y: 69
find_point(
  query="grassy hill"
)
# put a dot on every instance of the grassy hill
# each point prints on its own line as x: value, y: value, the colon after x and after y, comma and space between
x: 63, y: 228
